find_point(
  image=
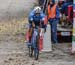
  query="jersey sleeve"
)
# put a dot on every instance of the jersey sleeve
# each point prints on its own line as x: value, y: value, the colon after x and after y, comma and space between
x: 30, y: 17
x: 42, y: 16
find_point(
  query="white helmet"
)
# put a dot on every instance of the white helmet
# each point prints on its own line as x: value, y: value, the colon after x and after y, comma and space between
x: 37, y: 9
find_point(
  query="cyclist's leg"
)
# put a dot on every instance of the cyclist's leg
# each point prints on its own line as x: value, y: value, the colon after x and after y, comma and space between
x: 32, y: 42
x: 30, y: 36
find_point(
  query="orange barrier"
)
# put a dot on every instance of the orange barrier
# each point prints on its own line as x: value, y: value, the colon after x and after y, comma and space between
x: 46, y: 20
x: 41, y: 43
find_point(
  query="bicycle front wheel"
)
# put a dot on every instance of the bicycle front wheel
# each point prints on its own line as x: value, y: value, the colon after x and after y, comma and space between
x: 30, y: 51
x: 36, y: 50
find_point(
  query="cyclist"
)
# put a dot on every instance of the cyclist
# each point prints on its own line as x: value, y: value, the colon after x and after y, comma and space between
x: 36, y: 18
x: 36, y: 22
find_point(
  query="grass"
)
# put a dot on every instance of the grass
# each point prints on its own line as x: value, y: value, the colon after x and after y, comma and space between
x: 15, y: 28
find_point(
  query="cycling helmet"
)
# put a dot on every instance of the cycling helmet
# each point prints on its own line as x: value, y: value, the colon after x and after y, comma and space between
x: 37, y: 9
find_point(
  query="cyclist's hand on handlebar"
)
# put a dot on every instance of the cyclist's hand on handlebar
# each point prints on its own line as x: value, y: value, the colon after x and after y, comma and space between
x: 33, y: 24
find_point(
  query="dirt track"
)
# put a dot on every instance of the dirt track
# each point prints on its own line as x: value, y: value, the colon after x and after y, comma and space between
x: 16, y: 53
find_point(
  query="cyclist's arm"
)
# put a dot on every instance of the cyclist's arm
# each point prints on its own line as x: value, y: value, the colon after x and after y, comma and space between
x: 43, y: 23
